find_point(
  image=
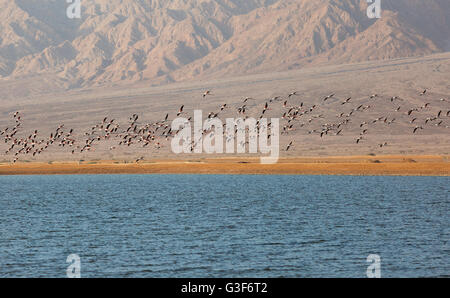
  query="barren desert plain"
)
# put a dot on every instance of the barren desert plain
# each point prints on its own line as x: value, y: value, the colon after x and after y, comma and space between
x: 401, y: 131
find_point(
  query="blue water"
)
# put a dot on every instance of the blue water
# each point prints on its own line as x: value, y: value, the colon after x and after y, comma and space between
x: 224, y: 226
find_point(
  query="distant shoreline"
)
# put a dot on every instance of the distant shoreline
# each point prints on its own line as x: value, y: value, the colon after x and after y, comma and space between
x: 389, y: 165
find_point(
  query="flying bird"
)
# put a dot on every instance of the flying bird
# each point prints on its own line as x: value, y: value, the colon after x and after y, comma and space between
x: 328, y: 97
x: 289, y: 146
x: 207, y: 92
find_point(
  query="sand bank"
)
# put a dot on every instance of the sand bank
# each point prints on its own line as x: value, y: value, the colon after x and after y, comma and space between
x: 425, y: 165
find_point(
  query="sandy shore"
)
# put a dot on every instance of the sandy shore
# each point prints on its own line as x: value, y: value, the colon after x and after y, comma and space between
x: 424, y: 165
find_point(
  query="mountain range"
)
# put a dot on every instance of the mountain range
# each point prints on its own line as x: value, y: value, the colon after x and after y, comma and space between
x: 161, y: 41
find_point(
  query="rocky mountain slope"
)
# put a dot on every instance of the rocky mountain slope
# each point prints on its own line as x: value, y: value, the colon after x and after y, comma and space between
x: 160, y: 41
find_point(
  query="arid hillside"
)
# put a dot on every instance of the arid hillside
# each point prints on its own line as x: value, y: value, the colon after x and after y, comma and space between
x: 143, y: 42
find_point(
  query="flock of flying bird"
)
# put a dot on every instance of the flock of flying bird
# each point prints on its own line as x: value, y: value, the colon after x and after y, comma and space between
x: 153, y: 134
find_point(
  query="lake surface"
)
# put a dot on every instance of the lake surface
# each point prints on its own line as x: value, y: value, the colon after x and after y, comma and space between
x: 224, y: 226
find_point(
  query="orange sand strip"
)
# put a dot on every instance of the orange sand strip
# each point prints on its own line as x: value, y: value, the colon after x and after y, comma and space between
x: 361, y: 165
